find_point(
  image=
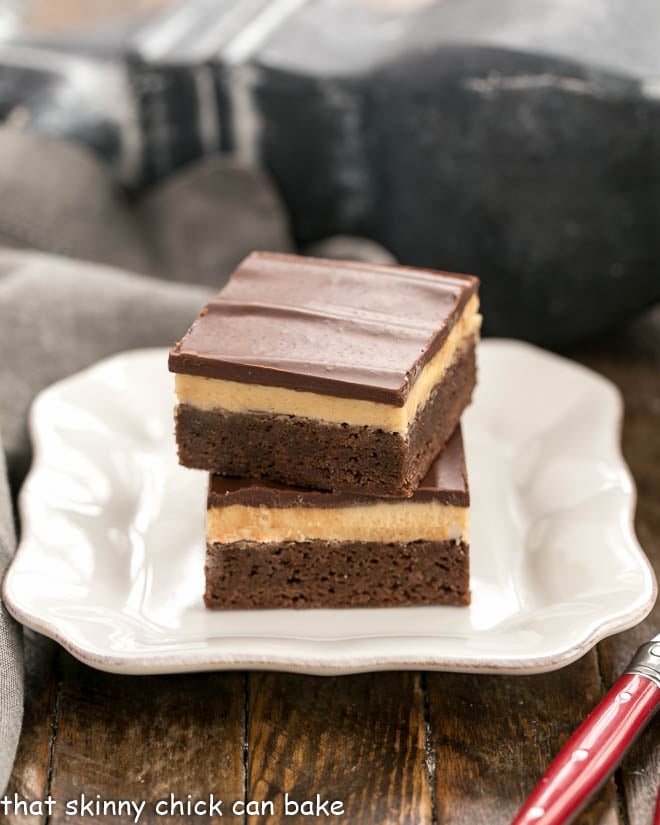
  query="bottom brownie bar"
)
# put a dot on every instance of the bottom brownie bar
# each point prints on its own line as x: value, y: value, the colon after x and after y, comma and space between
x: 247, y: 574
x: 273, y: 546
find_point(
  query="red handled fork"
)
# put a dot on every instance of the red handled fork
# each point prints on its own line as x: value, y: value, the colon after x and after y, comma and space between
x: 592, y: 753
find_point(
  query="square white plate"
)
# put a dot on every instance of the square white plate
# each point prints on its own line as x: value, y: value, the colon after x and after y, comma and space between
x: 111, y: 559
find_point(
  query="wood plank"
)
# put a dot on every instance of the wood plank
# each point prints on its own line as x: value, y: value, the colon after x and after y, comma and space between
x: 358, y: 739
x: 494, y: 736
x: 142, y: 738
x: 631, y: 359
x: 30, y: 776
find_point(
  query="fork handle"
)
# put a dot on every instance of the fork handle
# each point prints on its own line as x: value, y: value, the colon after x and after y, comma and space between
x: 593, y: 751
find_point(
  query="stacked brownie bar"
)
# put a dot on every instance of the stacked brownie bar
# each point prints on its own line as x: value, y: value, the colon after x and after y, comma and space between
x: 324, y: 399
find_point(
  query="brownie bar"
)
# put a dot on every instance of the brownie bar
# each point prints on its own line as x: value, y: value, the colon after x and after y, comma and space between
x: 326, y: 374
x: 271, y: 545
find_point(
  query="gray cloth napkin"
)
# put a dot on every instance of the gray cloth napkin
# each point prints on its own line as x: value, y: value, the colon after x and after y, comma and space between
x: 57, y: 197
x: 194, y: 227
x: 56, y: 317
x: 11, y: 651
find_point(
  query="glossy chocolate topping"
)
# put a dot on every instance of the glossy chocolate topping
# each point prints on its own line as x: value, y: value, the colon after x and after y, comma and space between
x: 446, y: 482
x: 354, y: 330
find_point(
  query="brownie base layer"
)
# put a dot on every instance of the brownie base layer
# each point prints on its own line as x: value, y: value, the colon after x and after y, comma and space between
x: 306, y: 453
x: 312, y: 574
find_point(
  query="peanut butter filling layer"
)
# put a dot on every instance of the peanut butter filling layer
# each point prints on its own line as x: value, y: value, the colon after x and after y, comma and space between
x: 233, y: 396
x: 384, y: 522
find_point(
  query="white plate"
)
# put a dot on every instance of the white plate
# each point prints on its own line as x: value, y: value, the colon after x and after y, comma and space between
x: 111, y: 560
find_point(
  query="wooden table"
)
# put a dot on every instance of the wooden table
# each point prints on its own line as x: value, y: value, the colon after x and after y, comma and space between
x: 393, y: 747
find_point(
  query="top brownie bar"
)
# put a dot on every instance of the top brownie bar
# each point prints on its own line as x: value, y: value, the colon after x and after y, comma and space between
x: 326, y: 374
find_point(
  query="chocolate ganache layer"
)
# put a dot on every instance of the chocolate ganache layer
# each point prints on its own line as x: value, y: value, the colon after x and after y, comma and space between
x: 352, y: 330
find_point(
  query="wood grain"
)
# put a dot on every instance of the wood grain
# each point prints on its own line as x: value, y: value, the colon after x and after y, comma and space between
x: 142, y: 738
x: 494, y: 736
x: 359, y: 739
x: 30, y: 776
